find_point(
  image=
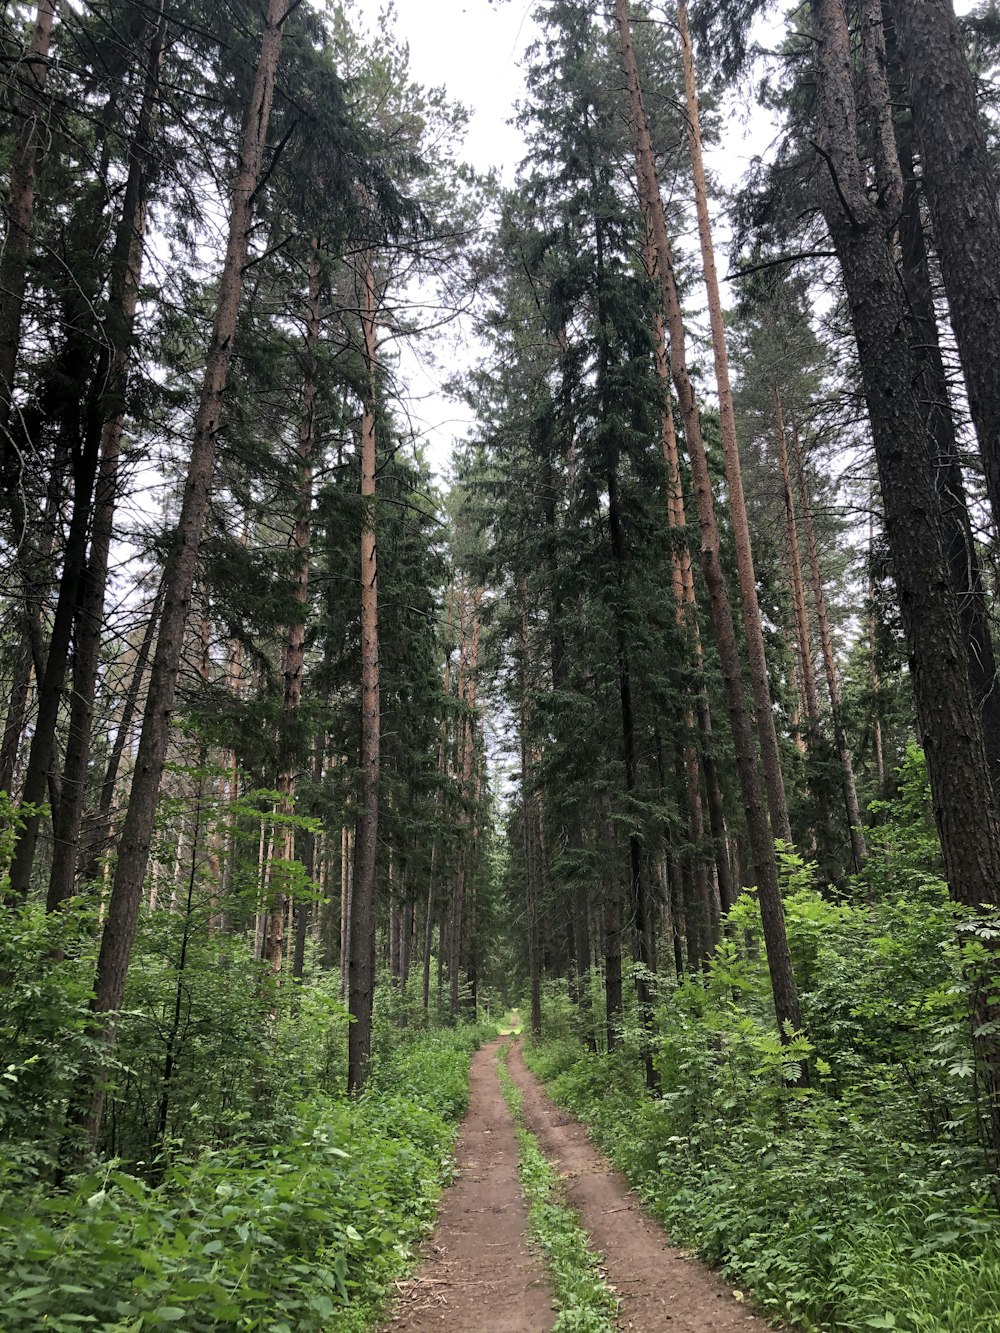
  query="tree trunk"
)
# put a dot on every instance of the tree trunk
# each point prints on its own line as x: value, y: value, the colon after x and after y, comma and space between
x: 362, y: 962
x: 949, y: 719
x: 429, y: 929
x: 772, y: 913
x: 859, y: 848
x: 960, y: 545
x: 757, y: 662
x: 638, y: 897
x: 119, y: 324
x: 17, y: 712
x: 295, y: 642
x: 809, y: 694
x: 947, y: 714
x: 962, y: 194
x: 100, y: 837
x: 405, y: 940
x: 14, y: 256
x: 42, y: 753
x: 178, y: 578
x: 686, y: 614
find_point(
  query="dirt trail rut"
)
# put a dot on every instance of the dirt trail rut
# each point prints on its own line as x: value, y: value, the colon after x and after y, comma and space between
x: 659, y: 1287
x: 478, y: 1275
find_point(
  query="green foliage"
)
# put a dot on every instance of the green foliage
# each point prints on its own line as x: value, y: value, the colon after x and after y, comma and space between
x: 290, y: 1236
x: 585, y: 1301
x: 45, y: 1033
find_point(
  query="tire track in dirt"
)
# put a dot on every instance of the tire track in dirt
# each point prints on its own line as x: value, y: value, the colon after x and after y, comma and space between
x: 660, y: 1288
x: 478, y: 1275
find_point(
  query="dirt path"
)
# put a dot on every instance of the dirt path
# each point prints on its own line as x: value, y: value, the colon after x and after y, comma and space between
x: 478, y: 1275
x: 660, y: 1288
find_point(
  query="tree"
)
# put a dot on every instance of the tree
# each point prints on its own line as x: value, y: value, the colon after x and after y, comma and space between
x: 362, y: 948
x: 779, y: 959
x: 962, y: 195
x: 133, y: 850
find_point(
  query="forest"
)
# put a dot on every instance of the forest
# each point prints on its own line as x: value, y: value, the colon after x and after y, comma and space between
x: 544, y: 875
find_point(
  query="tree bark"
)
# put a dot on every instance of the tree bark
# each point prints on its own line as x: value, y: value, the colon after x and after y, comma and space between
x: 362, y: 962
x: 638, y: 895
x: 961, y: 191
x: 960, y: 545
x: 20, y: 208
x: 963, y: 798
x: 295, y: 641
x: 686, y: 614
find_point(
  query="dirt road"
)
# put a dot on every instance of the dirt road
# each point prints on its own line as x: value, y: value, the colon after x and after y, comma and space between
x: 478, y: 1275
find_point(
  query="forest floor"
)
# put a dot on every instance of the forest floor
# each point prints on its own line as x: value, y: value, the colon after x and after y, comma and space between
x: 478, y: 1274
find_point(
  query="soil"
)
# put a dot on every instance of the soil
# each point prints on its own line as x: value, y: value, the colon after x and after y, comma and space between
x: 478, y: 1275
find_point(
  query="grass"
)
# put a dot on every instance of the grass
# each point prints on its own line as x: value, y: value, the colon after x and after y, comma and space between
x: 585, y: 1302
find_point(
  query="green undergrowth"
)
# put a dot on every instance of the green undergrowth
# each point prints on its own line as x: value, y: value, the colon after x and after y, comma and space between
x: 304, y: 1235
x: 585, y: 1302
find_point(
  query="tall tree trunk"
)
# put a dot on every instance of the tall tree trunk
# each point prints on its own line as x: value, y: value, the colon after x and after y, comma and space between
x: 612, y: 921
x: 126, y: 272
x: 802, y: 634
x: 756, y: 659
x: 295, y: 641
x: 178, y: 578
x: 17, y: 712
x: 362, y: 961
x: 963, y: 798
x: 873, y: 659
x: 960, y: 545
x: 961, y: 191
x: 42, y: 753
x: 859, y: 848
x: 14, y: 256
x: 772, y: 913
x: 948, y: 717
x: 638, y: 896
x: 686, y: 613
x: 529, y: 829
x: 899, y: 190
x: 405, y: 938
x: 98, y: 841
